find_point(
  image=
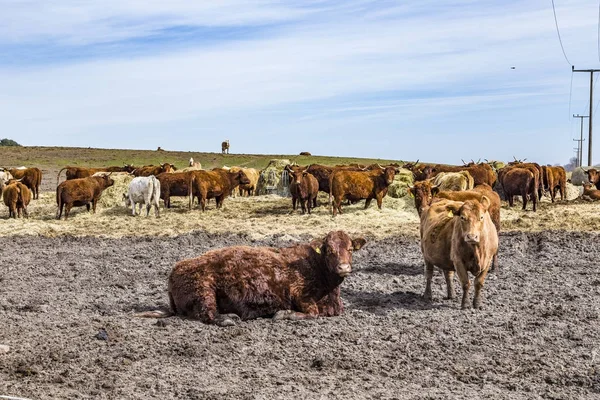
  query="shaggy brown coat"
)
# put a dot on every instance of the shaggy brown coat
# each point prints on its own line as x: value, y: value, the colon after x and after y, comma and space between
x: 218, y: 183
x: 590, y: 192
x: 30, y: 177
x: 298, y: 282
x: 16, y: 197
x: 80, y: 192
x: 155, y: 170
x: 176, y: 184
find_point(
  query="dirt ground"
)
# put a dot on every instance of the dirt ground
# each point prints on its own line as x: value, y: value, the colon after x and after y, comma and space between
x: 538, y: 335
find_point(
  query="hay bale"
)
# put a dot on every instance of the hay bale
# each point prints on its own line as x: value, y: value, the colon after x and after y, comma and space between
x: 579, y: 176
x: 402, y: 181
x: 274, y: 179
x: 573, y: 192
x: 113, y: 196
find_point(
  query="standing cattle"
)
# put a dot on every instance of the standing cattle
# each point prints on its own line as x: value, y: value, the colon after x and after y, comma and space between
x: 218, y: 183
x: 85, y: 172
x: 155, y: 170
x: 195, y: 164
x: 30, y: 177
x: 303, y: 187
x: 248, y: 189
x: 358, y: 185
x: 298, y: 282
x: 225, y: 147
x: 16, y: 197
x: 555, y: 179
x: 145, y: 191
x: 176, y: 184
x: 5, y: 176
x: 517, y: 181
x: 461, y: 237
x: 80, y: 192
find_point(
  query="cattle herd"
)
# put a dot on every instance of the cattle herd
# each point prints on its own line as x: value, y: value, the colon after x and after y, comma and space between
x: 459, y: 209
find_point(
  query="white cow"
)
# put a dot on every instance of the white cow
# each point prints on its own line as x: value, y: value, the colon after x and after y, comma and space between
x: 5, y: 176
x: 144, y: 190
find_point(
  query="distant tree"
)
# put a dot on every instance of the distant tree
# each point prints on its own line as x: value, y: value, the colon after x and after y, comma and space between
x: 571, y: 165
x: 8, y: 142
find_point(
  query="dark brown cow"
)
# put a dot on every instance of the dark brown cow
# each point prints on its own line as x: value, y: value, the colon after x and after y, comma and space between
x: 85, y: 172
x: 421, y: 172
x: 517, y: 181
x: 225, y: 147
x: 30, y: 177
x: 295, y: 283
x: 481, y: 173
x: 155, y: 170
x: 81, y: 192
x: 218, y: 183
x: 358, y: 185
x: 538, y: 174
x: 461, y: 237
x: 176, y: 184
x: 303, y: 187
x: 590, y: 192
x: 16, y: 197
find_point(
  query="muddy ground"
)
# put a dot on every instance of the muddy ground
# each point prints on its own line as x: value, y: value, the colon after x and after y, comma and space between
x: 537, y: 337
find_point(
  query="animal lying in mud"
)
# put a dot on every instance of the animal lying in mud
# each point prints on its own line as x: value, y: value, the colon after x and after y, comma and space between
x: 242, y: 282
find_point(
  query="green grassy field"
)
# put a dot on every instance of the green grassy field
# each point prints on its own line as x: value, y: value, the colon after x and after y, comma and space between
x: 54, y: 158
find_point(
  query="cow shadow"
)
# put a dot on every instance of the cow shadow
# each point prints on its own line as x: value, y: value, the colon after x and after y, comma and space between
x: 381, y: 303
x: 394, y: 269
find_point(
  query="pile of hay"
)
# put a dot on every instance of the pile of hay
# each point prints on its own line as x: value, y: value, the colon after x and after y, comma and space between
x: 113, y: 196
x: 186, y: 169
x: 402, y: 181
x: 274, y: 179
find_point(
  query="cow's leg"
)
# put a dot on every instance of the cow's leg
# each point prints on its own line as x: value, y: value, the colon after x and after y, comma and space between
x: 449, y: 275
x: 494, y: 266
x: 148, y: 207
x: 308, y: 310
x: 379, y: 199
x: 59, y: 212
x: 463, y: 276
x: 524, y: 196
x: 331, y: 305
x: 428, y: 277
x: 87, y: 206
x: 309, y: 204
x: 203, y: 203
x: 68, y: 207
x: 205, y: 309
x: 294, y: 200
x: 315, y: 202
x: 563, y: 191
x: 25, y: 212
x: 337, y: 206
x: 303, y: 205
x: 511, y: 200
x: 94, y: 201
x: 479, y: 281
x: 368, y: 203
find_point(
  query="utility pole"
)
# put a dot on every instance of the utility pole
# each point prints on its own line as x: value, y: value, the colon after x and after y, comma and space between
x: 591, y: 71
x: 580, y: 140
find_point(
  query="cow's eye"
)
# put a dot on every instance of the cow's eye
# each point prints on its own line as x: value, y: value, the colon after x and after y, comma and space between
x: 463, y: 217
x: 481, y: 218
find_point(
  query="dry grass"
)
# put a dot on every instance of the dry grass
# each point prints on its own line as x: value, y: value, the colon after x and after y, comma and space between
x: 272, y: 215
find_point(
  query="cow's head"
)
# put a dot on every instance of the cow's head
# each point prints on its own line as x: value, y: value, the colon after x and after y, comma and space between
x: 593, y: 175
x: 166, y: 167
x: 422, y: 191
x: 389, y: 173
x: 239, y: 176
x: 471, y: 218
x: 337, y: 248
x: 128, y: 168
x: 107, y: 180
x: 588, y: 186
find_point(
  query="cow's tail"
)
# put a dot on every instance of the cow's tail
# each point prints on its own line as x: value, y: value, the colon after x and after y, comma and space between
x: 58, y: 175
x: 154, y: 314
x: 330, y: 190
x: 58, y: 200
x: 191, y: 190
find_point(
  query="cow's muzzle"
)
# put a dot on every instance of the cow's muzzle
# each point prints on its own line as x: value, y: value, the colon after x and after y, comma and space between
x: 344, y: 270
x: 472, y: 238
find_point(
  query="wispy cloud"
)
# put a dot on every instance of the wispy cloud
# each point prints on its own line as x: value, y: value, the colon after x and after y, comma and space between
x: 184, y: 75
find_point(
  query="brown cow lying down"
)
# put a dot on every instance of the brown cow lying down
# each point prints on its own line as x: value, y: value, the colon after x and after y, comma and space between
x: 590, y: 193
x: 461, y: 237
x: 298, y: 282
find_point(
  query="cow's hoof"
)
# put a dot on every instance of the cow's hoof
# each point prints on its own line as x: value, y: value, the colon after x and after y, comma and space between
x: 283, y: 314
x: 227, y: 320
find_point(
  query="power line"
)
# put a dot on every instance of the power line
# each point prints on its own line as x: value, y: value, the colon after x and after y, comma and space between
x: 571, y: 92
x: 558, y: 32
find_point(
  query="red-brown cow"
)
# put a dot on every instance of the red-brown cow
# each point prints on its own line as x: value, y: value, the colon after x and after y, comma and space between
x: 517, y: 181
x: 155, y: 170
x: 303, y: 187
x: 80, y: 192
x: 555, y: 180
x: 85, y: 172
x: 594, y: 177
x: 590, y: 192
x: 538, y: 174
x: 358, y: 185
x: 176, y: 184
x: 16, y: 197
x: 298, y: 282
x: 30, y: 177
x: 218, y: 183
x: 461, y: 237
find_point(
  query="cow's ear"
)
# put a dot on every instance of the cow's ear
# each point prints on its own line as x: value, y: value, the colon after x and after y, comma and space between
x: 485, y: 202
x: 435, y: 190
x: 411, y: 191
x: 317, y: 245
x: 453, y: 208
x: 358, y: 243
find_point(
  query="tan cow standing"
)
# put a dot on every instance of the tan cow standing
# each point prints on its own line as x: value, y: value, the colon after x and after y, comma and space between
x: 461, y: 237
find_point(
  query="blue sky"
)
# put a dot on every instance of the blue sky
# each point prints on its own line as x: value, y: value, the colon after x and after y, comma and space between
x: 386, y: 79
